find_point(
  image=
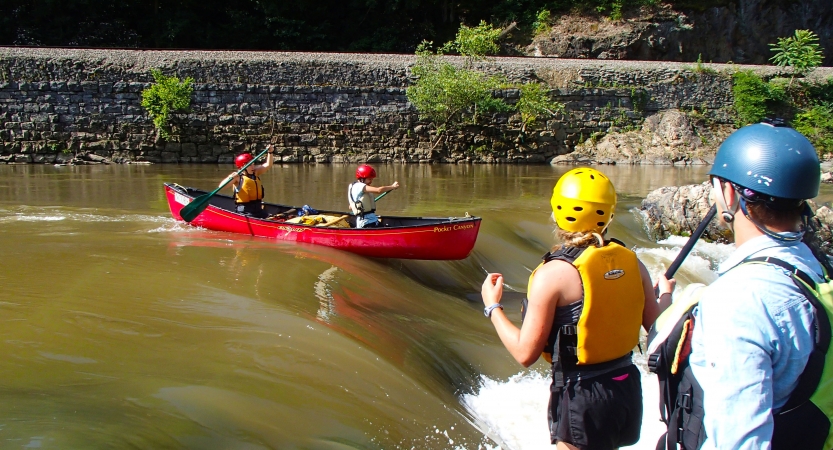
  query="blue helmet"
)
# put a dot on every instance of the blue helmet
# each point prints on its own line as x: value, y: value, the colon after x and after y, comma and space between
x: 770, y: 159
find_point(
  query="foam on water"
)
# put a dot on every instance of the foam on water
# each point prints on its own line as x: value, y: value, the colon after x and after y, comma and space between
x: 513, y: 413
x: 174, y: 226
x: 699, y: 266
x: 57, y: 214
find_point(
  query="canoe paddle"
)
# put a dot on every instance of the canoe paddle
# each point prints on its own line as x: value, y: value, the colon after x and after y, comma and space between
x: 678, y: 261
x: 198, y: 205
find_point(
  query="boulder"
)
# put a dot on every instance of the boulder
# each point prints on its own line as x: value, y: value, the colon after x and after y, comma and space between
x: 823, y: 224
x: 668, y: 137
x: 677, y: 210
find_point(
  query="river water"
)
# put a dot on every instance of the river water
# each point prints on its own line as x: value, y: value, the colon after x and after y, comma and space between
x: 125, y: 329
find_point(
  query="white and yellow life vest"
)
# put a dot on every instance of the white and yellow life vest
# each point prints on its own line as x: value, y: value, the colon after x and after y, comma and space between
x: 361, y: 204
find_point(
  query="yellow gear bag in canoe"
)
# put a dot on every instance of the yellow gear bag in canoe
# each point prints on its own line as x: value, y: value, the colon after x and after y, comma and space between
x: 321, y: 220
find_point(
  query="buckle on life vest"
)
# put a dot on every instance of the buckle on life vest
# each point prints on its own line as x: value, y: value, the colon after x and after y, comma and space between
x: 571, y: 350
x: 569, y: 330
x: 653, y: 362
x: 685, y: 402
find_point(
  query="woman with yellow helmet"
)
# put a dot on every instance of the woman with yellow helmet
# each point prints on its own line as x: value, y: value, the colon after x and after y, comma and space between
x: 585, y: 305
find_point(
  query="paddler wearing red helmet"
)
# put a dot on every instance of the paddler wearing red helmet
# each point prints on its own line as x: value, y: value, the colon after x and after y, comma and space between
x: 248, y: 189
x: 361, y: 194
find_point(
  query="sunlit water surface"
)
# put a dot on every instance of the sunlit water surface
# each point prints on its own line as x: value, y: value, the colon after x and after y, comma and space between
x: 125, y: 329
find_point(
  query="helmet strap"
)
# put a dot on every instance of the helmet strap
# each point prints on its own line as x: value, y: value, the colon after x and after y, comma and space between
x: 604, y: 230
x: 792, y: 236
x: 728, y: 215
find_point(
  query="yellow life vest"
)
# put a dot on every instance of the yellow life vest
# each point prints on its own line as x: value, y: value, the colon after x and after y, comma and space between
x: 248, y: 189
x: 611, y: 317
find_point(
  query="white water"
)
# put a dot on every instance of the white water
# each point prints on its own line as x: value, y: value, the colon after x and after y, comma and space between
x: 513, y: 412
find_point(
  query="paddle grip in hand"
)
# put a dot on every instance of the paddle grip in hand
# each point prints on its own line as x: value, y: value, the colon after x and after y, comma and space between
x: 228, y: 180
x: 198, y: 205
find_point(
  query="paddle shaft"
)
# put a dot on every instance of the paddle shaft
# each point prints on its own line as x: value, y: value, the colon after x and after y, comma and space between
x: 678, y: 261
x: 198, y: 205
x: 672, y: 269
x: 335, y: 221
x: 383, y: 194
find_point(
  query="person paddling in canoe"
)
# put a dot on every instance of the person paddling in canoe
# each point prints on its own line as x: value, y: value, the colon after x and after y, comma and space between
x: 586, y: 303
x: 248, y: 189
x: 361, y: 194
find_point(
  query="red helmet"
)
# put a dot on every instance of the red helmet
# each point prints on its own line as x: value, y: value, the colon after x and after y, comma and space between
x: 243, y: 159
x: 365, y: 171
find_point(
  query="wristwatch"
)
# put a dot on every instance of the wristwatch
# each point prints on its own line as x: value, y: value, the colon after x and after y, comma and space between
x: 488, y: 310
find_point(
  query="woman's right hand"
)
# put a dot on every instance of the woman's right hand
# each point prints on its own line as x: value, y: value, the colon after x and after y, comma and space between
x: 664, y: 285
x: 492, y: 289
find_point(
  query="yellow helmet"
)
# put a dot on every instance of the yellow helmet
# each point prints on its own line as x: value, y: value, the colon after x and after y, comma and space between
x: 583, y: 200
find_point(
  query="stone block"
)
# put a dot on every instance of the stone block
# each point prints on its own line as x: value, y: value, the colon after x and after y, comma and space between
x: 189, y: 149
x: 89, y: 86
x: 169, y: 157
x: 136, y: 86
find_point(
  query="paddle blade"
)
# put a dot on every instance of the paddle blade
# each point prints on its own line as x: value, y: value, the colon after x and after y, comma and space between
x: 190, y: 211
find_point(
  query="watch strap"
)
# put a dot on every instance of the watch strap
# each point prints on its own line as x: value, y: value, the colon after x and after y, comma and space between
x: 488, y: 310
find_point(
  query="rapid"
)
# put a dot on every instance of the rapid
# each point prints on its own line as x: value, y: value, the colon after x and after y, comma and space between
x: 123, y: 328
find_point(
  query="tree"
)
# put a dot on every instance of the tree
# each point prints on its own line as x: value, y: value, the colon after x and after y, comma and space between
x: 801, y: 52
x: 448, y: 95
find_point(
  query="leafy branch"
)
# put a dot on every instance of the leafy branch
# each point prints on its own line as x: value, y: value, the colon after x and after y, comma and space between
x: 166, y: 95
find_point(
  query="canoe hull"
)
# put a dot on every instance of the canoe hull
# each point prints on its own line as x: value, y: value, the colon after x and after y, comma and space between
x: 422, y: 238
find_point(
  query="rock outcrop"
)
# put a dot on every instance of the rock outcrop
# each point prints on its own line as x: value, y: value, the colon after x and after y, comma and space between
x: 823, y: 222
x: 669, y: 137
x: 740, y: 32
x: 678, y: 210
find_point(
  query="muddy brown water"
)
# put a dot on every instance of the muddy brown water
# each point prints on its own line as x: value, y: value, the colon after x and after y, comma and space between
x: 125, y: 329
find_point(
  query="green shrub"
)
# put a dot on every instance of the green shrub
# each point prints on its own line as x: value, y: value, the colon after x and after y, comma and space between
x: 801, y: 52
x: 754, y: 98
x: 817, y: 124
x: 542, y: 22
x: 475, y: 42
x: 446, y: 95
x: 820, y: 92
x: 535, y: 103
x: 166, y: 95
x: 815, y: 119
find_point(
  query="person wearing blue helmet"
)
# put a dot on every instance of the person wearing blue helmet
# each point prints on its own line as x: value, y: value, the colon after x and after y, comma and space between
x: 755, y: 328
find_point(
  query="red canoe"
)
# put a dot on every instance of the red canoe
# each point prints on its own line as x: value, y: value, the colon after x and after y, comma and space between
x: 400, y: 237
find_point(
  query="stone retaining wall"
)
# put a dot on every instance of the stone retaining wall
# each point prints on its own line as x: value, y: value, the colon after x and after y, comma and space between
x: 56, y: 103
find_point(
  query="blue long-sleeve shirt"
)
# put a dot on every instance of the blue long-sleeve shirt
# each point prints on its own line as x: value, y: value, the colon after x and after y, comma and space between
x: 752, y: 337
